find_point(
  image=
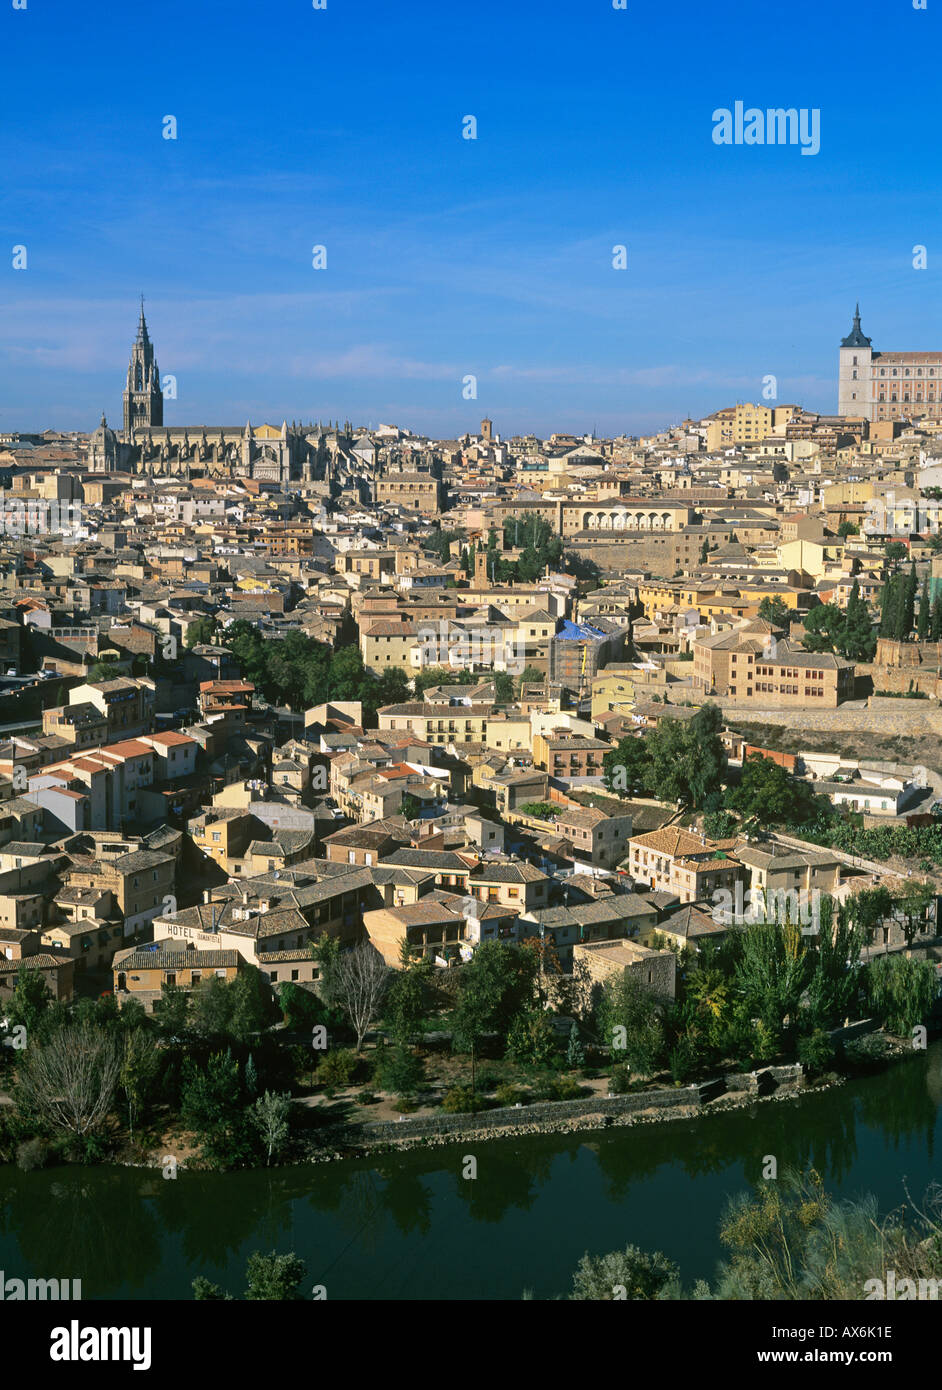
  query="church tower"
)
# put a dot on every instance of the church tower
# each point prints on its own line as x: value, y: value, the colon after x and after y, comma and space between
x: 143, y: 398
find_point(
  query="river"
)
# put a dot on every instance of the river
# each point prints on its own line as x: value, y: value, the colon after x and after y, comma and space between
x: 410, y: 1226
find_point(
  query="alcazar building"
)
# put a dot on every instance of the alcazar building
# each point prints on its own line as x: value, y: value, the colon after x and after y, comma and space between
x: 887, y: 385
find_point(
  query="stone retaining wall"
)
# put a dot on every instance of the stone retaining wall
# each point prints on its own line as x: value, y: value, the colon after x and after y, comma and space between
x: 550, y: 1115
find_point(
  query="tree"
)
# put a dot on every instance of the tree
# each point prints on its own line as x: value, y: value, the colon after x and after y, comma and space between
x: 104, y: 671
x: 407, y: 1000
x: 630, y: 1274
x: 200, y: 632
x: 211, y: 1105
x: 935, y: 627
x: 503, y: 687
x: 901, y: 990
x: 770, y: 795
x: 773, y: 609
x: 69, y: 1082
x: 173, y: 1011
x: 139, y: 1068
x: 869, y: 908
x: 361, y: 979
x: 705, y: 758
x: 575, y: 1052
x: 824, y: 628
x: 270, y: 1115
x: 895, y: 553
x: 398, y: 1070
x: 29, y: 1002
x: 922, y: 626
x: 531, y: 1039
x: 835, y: 978
x: 530, y: 675
x: 274, y: 1277
x: 495, y: 985
x: 704, y: 552
x: 625, y: 1004
x: 326, y: 952
x: 848, y: 528
x: 908, y: 608
x: 772, y: 972
x: 212, y: 1008
x: 204, y: 1290
x: 626, y: 768
x: 667, y: 749
x: 914, y: 904
x: 857, y: 641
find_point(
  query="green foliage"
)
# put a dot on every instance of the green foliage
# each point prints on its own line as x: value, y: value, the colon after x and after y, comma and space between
x: 880, y: 842
x: 677, y: 761
x: 398, y: 1069
x: 336, y: 1067
x: 541, y: 810
x: 774, y: 967
x: 460, y: 1100
x: 28, y: 1005
x: 816, y: 1050
x: 407, y: 999
x: 620, y: 1083
x: 201, y: 632
x: 274, y: 1277
x: 824, y: 627
x: 531, y: 1039
x: 773, y: 609
x: 270, y: 1116
x: 719, y: 825
x: 626, y: 1004
x: 901, y: 991
x: 212, y: 1106
x: 623, y: 1274
x: 540, y: 547
x: 575, y: 1052
x: 301, y: 1009
x: 768, y: 793
x: 495, y: 986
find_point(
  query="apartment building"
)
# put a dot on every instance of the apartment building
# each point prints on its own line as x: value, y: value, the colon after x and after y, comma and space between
x: 673, y: 860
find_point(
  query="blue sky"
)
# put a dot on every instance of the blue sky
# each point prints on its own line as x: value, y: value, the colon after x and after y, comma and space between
x: 448, y: 257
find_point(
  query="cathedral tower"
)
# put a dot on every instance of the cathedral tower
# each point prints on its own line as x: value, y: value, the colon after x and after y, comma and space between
x: 143, y: 398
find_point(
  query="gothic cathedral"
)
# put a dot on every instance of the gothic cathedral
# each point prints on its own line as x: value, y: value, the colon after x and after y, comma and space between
x: 143, y: 398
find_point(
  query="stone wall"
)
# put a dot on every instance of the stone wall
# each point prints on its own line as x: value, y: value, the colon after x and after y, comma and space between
x: 552, y: 1114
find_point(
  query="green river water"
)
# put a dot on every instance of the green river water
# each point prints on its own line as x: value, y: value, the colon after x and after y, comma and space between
x: 410, y: 1226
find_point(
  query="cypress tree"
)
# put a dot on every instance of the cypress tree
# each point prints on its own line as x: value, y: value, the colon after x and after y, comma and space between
x: 935, y: 628
x: 922, y: 627
x: 907, y: 612
x: 857, y: 641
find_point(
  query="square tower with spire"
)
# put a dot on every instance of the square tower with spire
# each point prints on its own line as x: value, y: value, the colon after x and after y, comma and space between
x: 853, y: 388
x: 143, y: 398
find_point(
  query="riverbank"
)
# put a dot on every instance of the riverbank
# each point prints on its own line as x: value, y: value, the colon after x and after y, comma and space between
x: 735, y: 1091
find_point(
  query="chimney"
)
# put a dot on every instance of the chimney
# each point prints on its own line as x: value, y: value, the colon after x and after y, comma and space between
x: 205, y: 895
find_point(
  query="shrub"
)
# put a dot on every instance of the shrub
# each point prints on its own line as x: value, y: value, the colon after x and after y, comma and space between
x: 31, y: 1154
x: 367, y: 1097
x: 816, y: 1050
x: 460, y: 1100
x: 405, y: 1104
x: 336, y: 1067
x: 509, y: 1094
x: 621, y: 1080
x: 398, y: 1069
x: 565, y: 1088
x: 867, y: 1051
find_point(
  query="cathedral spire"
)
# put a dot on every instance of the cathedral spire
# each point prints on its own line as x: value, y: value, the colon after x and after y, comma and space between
x: 143, y: 398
